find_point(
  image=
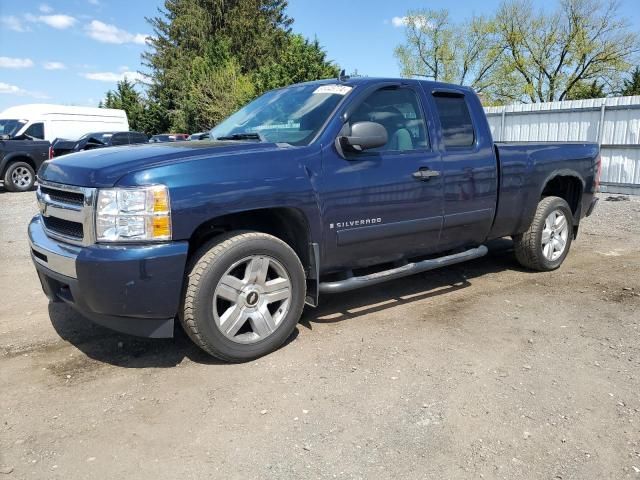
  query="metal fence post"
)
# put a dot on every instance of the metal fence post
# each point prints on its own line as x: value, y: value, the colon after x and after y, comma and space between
x: 600, y: 132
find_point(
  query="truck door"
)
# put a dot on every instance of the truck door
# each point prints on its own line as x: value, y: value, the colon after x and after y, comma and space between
x: 469, y: 169
x: 384, y: 203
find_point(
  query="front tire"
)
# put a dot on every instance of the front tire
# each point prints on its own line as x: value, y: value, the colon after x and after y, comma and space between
x: 19, y: 177
x: 244, y: 296
x: 546, y: 243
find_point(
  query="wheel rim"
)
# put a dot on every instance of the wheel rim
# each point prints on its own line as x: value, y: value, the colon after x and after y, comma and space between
x: 251, y: 299
x: 21, y: 177
x: 554, y: 235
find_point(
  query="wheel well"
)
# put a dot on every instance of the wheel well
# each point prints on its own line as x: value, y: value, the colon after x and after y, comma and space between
x: 18, y: 159
x: 288, y: 224
x: 566, y: 187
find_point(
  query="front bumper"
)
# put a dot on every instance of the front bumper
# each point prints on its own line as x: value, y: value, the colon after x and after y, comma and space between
x: 133, y: 289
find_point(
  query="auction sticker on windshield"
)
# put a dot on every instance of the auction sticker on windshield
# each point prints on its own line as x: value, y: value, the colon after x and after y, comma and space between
x: 333, y: 89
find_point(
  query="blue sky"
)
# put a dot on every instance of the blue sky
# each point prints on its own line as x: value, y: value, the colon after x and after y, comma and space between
x: 73, y: 51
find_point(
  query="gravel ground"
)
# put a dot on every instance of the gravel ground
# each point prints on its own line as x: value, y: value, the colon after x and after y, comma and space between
x: 481, y: 370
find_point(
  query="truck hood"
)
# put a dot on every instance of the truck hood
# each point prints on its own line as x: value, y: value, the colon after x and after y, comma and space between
x: 105, y: 166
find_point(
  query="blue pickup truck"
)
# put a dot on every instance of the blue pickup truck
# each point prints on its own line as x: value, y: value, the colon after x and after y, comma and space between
x: 311, y: 189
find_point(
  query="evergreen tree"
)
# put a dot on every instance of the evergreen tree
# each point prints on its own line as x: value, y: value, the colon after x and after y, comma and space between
x: 125, y: 97
x: 208, y: 57
x: 632, y: 85
x: 299, y: 61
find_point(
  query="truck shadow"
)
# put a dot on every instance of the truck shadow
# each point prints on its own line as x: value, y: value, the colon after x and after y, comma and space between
x: 125, y: 351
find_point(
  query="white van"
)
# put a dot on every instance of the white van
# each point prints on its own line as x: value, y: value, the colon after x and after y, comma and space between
x: 48, y: 122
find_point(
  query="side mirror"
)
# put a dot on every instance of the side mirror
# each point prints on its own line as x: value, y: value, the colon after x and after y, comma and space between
x: 5, y: 136
x: 364, y: 135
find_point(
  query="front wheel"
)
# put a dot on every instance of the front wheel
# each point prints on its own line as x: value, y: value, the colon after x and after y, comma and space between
x: 546, y: 243
x: 19, y: 177
x: 244, y: 296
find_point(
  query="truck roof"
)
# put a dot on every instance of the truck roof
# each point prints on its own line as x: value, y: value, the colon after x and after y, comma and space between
x: 40, y: 109
x: 356, y: 81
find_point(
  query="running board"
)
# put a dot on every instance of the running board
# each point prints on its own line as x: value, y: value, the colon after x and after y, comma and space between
x: 409, y: 269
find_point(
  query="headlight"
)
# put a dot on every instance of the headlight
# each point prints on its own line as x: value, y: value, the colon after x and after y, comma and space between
x: 133, y: 214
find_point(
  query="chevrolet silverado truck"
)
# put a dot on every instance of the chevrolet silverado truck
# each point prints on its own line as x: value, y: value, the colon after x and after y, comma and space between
x: 311, y: 189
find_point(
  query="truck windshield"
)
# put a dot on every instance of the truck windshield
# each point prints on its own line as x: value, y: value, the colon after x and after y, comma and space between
x: 11, y: 127
x: 291, y: 115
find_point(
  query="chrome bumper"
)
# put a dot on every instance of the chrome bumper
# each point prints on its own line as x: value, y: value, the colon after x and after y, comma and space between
x: 57, y: 257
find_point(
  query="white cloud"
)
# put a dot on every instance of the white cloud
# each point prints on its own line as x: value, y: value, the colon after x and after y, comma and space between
x: 54, y: 66
x: 419, y: 21
x: 14, y: 23
x: 114, y: 77
x: 94, y: 2
x: 58, y: 20
x: 9, y: 62
x: 106, y: 33
x: 44, y: 8
x: 7, y: 88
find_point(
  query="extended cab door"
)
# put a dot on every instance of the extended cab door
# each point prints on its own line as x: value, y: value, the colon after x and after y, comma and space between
x: 469, y: 168
x: 384, y: 203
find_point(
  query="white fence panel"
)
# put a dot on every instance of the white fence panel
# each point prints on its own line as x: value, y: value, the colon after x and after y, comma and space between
x: 612, y: 122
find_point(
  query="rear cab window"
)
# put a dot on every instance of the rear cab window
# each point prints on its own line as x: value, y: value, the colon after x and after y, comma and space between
x: 120, y: 139
x: 35, y: 130
x: 455, y: 120
x: 138, y: 137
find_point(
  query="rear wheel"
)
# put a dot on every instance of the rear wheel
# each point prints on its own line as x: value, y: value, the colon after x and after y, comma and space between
x: 546, y: 243
x: 245, y: 294
x: 19, y: 177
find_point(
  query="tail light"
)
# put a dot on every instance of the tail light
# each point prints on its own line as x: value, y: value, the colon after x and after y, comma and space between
x: 598, y: 172
x: 50, y: 152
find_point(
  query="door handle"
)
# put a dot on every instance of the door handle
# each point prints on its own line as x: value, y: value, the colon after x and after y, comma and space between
x: 425, y: 174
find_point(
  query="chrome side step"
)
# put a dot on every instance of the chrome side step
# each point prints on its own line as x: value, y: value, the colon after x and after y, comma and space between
x: 409, y: 269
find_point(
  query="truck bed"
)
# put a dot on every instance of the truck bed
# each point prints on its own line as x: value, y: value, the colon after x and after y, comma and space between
x: 524, y: 167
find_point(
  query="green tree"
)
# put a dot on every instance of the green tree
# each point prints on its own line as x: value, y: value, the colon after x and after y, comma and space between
x: 214, y: 92
x: 522, y: 54
x: 631, y: 86
x: 200, y: 41
x: 586, y: 90
x: 547, y: 55
x: 127, y: 98
x: 435, y: 47
x: 299, y: 61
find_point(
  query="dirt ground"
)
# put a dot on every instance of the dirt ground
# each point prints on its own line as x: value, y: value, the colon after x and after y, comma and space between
x: 481, y: 370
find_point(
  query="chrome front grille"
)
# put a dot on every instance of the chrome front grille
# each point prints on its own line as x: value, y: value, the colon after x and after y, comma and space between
x: 67, y: 212
x: 63, y: 196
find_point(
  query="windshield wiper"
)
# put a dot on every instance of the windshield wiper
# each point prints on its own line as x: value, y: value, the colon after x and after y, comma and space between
x: 242, y: 136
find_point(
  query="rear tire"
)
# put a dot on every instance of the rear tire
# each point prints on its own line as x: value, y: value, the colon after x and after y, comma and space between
x: 19, y: 177
x: 244, y: 296
x: 546, y: 243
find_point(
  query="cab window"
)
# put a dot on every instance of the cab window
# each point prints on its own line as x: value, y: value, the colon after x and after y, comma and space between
x: 455, y: 119
x: 120, y: 139
x: 36, y: 130
x: 398, y: 110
